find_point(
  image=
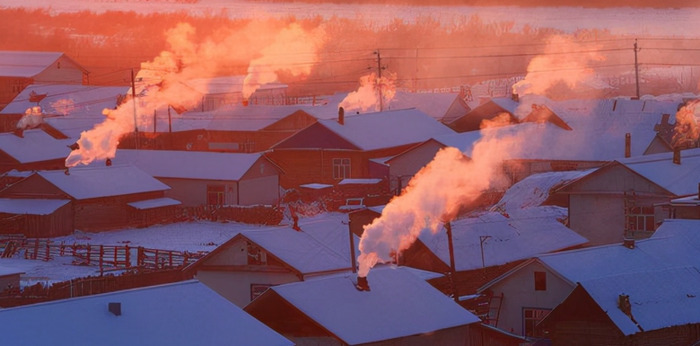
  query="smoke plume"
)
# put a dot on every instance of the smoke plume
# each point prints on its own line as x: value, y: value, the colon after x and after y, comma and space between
x: 366, y: 97
x: 686, y: 131
x: 162, y: 82
x: 33, y: 117
x: 434, y: 195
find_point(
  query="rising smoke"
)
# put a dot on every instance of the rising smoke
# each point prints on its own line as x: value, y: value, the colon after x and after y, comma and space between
x: 162, y: 82
x: 450, y: 181
x: 367, y: 97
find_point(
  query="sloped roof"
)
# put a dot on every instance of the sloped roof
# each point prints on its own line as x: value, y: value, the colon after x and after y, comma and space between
x: 234, y: 118
x: 369, y: 131
x: 188, y: 164
x: 94, y: 182
x: 68, y: 99
x: 399, y: 304
x: 679, y: 179
x: 25, y: 63
x: 463, y: 141
x: 225, y: 85
x: 34, y: 146
x: 509, y: 239
x: 299, y: 250
x: 656, y: 253
x: 439, y: 106
x: 332, y: 230
x: 31, y: 206
x: 183, y: 313
x: 659, y: 298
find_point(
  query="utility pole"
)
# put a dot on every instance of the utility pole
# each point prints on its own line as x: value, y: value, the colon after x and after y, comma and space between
x: 133, y: 100
x: 453, y: 270
x: 379, y: 80
x: 636, y: 66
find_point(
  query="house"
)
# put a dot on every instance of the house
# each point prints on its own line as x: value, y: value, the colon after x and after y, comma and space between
x: 18, y: 69
x: 443, y: 107
x: 487, y: 245
x: 183, y: 313
x: 502, y: 108
x: 32, y: 150
x: 400, y: 308
x: 524, y: 295
x: 209, y: 178
x: 100, y: 196
x: 656, y: 307
x: 69, y: 109
x: 252, y: 261
x: 622, y: 195
x: 329, y: 151
x: 35, y: 217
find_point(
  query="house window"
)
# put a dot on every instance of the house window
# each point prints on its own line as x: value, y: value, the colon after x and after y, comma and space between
x: 256, y: 255
x: 531, y: 317
x: 216, y: 195
x: 540, y: 281
x: 640, y: 219
x: 257, y: 289
x: 341, y: 168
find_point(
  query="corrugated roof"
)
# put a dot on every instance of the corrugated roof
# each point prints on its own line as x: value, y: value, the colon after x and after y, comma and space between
x: 94, y: 182
x: 399, y: 304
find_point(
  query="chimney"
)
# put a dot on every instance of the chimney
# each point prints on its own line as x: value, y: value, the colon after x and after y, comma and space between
x: 623, y: 302
x: 362, y: 284
x: 19, y: 132
x: 115, y: 308
x: 677, y: 155
x: 341, y: 116
x: 664, y: 118
x: 108, y: 162
x: 628, y: 243
x: 514, y: 96
x: 628, y: 144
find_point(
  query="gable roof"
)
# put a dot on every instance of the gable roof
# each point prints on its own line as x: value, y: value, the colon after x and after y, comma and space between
x: 26, y: 64
x: 299, y: 250
x: 67, y: 100
x: 183, y: 313
x: 679, y: 179
x: 659, y: 298
x: 189, y: 164
x: 443, y: 107
x: 399, y: 304
x: 509, y: 239
x: 369, y: 131
x: 34, y: 146
x: 94, y: 182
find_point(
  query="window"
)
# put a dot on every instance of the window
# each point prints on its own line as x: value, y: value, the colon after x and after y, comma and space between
x: 540, y: 281
x: 216, y: 195
x: 640, y: 219
x: 532, y: 316
x: 341, y: 168
x: 257, y: 289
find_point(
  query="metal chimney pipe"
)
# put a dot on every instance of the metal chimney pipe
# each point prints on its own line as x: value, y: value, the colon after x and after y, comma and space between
x: 353, y: 260
x: 341, y: 116
x: 453, y: 270
x: 628, y: 144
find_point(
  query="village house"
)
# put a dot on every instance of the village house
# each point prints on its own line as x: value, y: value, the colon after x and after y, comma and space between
x: 100, y: 197
x: 398, y: 308
x: 332, y: 150
x: 19, y: 69
x: 183, y: 313
x: 252, y: 261
x: 648, y: 307
x: 67, y: 109
x: 209, y: 178
x: 528, y: 292
x: 32, y: 150
x: 36, y: 217
x: 617, y: 201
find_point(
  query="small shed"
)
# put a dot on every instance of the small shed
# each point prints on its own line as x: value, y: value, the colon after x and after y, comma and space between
x: 400, y: 308
x: 35, y: 217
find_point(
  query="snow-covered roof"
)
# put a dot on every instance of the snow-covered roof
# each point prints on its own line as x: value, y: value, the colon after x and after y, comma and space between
x: 680, y: 179
x: 107, y: 181
x: 658, y: 298
x: 369, y: 131
x: 367, y: 181
x: 436, y: 105
x: 188, y: 164
x: 534, y: 190
x: 505, y: 239
x: 315, y: 186
x: 226, y: 118
x: 226, y: 85
x: 463, y: 141
x: 399, y: 304
x: 8, y: 271
x: 25, y: 64
x: 656, y: 253
x: 154, y: 203
x: 183, y: 313
x: 332, y: 230
x: 299, y: 250
x: 34, y: 146
x: 31, y: 206
x: 70, y: 100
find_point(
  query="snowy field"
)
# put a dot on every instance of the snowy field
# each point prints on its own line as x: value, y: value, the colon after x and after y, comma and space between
x: 671, y: 22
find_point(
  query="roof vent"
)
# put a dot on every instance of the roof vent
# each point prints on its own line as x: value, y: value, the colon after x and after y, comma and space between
x: 115, y: 308
x: 677, y: 156
x: 628, y: 243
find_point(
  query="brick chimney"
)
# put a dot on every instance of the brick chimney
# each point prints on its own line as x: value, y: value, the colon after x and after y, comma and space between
x: 677, y: 155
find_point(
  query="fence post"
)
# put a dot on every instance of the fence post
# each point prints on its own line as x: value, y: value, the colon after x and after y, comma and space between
x: 102, y: 252
x: 127, y: 256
